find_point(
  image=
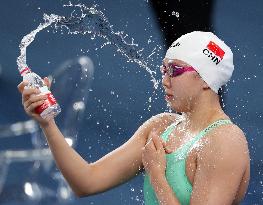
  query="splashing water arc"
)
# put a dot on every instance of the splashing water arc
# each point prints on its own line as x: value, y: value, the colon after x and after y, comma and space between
x: 29, y: 38
x: 93, y: 22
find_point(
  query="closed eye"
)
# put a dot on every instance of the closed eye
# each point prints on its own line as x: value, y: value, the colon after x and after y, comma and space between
x: 163, y: 69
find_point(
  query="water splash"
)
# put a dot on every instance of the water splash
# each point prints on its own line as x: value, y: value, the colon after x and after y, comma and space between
x: 94, y: 22
x: 177, y: 14
x: 29, y: 38
x: 91, y: 21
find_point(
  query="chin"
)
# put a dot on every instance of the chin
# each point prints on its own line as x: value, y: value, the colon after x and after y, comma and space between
x: 175, y: 106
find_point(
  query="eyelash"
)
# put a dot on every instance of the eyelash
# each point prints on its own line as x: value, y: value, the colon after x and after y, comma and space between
x: 163, y: 69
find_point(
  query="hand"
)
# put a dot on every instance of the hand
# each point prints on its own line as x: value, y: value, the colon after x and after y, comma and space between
x: 153, y: 156
x: 31, y: 99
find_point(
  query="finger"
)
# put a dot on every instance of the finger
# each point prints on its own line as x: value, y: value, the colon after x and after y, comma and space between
x: 33, y: 99
x: 163, y: 143
x: 157, y: 141
x: 28, y: 92
x: 21, y: 86
x: 31, y: 108
x: 168, y: 150
x: 149, y: 140
x: 150, y: 145
x: 164, y: 146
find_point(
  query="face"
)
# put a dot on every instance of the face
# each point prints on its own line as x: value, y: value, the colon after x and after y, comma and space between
x: 181, y: 84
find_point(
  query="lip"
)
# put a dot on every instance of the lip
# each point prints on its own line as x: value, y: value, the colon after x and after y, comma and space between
x: 168, y: 97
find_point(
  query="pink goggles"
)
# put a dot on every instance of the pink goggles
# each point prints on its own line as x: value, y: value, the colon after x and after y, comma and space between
x: 174, y: 70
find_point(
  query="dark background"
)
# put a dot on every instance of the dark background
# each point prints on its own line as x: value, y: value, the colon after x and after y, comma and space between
x: 110, y: 119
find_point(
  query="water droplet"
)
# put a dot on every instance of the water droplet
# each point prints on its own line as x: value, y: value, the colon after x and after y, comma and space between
x: 176, y: 14
x: 150, y: 99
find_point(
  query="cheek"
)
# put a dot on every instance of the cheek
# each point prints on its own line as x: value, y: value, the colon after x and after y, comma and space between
x: 179, y: 91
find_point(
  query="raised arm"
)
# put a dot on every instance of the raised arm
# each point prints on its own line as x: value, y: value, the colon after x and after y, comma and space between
x: 90, y: 178
x: 111, y: 170
x: 223, y: 169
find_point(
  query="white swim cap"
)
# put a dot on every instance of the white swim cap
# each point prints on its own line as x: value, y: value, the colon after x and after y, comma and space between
x: 207, y: 54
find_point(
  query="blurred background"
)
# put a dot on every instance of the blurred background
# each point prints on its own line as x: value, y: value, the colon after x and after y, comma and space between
x: 105, y: 97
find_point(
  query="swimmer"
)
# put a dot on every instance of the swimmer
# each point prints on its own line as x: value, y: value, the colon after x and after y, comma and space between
x: 195, y: 156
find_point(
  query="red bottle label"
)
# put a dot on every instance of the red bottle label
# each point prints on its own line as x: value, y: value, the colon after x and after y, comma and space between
x: 48, y: 102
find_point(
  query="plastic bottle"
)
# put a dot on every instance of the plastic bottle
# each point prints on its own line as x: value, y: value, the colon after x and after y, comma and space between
x: 50, y: 108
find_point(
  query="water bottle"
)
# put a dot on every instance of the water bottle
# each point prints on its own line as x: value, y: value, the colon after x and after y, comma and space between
x: 50, y: 108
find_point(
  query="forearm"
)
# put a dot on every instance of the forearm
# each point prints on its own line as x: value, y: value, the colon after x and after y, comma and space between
x: 73, y: 167
x: 163, y: 191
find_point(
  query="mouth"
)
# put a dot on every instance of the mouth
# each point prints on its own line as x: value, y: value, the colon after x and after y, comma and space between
x: 168, y: 96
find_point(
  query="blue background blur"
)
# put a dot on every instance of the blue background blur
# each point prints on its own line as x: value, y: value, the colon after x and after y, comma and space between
x: 110, y: 119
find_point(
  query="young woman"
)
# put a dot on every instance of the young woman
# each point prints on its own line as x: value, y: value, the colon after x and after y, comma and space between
x: 199, y: 157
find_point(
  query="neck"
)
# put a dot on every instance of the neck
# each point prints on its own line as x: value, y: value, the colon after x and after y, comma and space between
x: 205, y: 110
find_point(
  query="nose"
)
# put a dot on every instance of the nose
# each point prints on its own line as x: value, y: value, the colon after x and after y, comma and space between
x: 166, y: 81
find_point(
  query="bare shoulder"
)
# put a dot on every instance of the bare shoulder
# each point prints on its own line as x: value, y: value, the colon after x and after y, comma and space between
x: 229, y: 136
x: 161, y: 120
x: 227, y: 142
x: 164, y: 117
x: 157, y: 123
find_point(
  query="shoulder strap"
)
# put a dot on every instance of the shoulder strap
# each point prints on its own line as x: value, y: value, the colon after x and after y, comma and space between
x: 205, y: 131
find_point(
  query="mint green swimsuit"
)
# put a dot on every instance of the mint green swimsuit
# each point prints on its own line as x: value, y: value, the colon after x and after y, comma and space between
x: 175, y: 167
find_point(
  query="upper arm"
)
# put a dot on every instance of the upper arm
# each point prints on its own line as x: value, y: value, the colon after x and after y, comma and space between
x: 124, y: 162
x: 221, y: 166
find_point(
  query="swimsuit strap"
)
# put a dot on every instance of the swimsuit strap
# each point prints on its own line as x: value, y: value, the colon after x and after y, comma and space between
x: 201, y: 134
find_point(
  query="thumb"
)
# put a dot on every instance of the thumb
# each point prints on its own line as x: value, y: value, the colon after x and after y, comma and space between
x: 47, y: 82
